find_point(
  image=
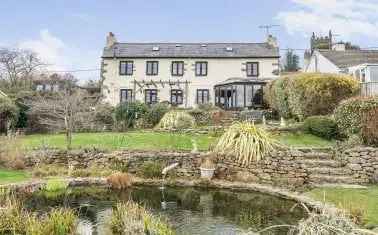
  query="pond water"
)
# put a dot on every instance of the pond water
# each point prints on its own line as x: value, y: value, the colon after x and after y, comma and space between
x: 187, y: 210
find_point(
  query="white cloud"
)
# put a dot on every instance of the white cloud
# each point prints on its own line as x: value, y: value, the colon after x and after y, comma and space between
x: 62, y: 57
x: 345, y: 17
x: 48, y: 47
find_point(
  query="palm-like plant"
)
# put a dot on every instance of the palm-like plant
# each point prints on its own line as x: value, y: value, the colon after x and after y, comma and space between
x: 176, y: 120
x: 245, y: 142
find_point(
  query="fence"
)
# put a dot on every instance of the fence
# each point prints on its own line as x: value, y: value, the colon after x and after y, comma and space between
x: 369, y: 89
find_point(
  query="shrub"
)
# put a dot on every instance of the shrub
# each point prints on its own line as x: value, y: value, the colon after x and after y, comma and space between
x: 321, y: 126
x: 8, y: 112
x: 176, y: 120
x: 54, y: 185
x: 130, y: 218
x: 305, y: 95
x: 348, y: 114
x: 151, y: 169
x: 11, y: 153
x: 155, y: 114
x: 201, y: 117
x: 120, y: 180
x: 369, y: 132
x: 245, y: 142
x: 104, y: 116
x: 126, y: 114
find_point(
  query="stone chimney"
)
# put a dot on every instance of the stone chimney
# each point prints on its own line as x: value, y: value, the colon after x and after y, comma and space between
x: 110, y: 40
x: 272, y: 41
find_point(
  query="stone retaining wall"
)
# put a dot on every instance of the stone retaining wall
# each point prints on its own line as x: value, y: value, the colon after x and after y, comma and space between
x: 286, y: 167
x: 363, y: 163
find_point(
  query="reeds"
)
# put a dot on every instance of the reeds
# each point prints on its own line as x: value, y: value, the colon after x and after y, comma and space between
x: 131, y: 219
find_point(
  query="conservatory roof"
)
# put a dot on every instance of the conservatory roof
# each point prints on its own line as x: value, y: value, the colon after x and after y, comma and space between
x: 236, y: 80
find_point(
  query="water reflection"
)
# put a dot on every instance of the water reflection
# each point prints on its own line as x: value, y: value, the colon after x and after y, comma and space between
x: 188, y: 210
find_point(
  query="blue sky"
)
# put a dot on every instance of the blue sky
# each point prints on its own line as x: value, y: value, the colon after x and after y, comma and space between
x: 70, y: 34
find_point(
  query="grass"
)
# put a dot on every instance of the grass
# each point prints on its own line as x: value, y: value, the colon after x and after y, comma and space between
x: 352, y: 200
x: 154, y: 140
x: 12, y: 176
x: 303, y: 140
x: 128, y: 140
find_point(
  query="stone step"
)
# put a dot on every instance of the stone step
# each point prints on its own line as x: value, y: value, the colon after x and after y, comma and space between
x: 331, y: 179
x: 329, y: 171
x: 312, y: 163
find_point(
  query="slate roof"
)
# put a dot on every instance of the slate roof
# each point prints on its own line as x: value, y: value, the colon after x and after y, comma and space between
x: 349, y: 58
x: 191, y: 50
x: 244, y: 80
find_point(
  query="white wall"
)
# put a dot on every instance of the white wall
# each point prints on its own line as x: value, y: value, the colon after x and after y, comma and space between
x: 219, y: 70
x: 320, y: 64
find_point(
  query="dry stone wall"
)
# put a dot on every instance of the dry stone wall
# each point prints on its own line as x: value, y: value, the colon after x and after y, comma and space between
x: 294, y: 167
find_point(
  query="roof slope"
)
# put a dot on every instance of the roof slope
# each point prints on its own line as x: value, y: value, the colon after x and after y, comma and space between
x: 188, y: 50
x: 348, y: 58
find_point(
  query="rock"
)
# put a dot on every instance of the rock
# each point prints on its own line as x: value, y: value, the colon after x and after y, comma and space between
x: 245, y: 176
x: 355, y: 167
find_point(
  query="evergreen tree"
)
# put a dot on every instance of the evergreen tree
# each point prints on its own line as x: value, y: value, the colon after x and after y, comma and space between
x: 292, y: 62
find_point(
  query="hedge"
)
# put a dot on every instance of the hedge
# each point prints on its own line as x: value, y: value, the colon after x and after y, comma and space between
x: 369, y: 131
x: 348, y: 114
x: 322, y: 126
x: 309, y: 94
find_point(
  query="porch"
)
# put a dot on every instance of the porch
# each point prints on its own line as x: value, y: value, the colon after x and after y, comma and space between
x: 240, y: 93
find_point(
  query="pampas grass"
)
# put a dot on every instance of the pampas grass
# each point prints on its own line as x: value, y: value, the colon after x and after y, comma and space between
x: 246, y: 143
x: 176, y: 120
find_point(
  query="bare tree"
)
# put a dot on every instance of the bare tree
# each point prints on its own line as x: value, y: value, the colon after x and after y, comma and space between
x: 67, y: 110
x: 18, y: 65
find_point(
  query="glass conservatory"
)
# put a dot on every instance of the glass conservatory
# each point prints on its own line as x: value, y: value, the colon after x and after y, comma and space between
x: 240, y: 93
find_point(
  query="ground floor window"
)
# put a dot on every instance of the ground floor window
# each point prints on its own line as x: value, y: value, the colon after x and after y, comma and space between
x: 151, y: 96
x: 203, y: 96
x: 176, y: 96
x: 126, y: 95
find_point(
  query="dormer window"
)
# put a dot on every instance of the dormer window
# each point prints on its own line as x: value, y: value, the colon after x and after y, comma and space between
x: 156, y: 48
x: 229, y: 49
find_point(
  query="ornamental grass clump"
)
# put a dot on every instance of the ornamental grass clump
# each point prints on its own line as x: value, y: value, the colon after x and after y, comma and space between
x: 246, y: 143
x: 176, y: 120
x: 130, y: 218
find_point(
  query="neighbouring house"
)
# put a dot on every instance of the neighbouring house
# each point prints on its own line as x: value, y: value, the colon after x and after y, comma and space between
x: 342, y: 58
x: 53, y: 83
x: 229, y: 75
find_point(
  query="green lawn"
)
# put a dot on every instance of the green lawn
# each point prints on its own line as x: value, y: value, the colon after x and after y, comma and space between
x: 12, y: 176
x: 154, y: 140
x: 303, y: 140
x: 352, y: 199
x: 128, y: 140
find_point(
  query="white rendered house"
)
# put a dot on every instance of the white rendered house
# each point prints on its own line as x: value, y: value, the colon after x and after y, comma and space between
x: 230, y: 75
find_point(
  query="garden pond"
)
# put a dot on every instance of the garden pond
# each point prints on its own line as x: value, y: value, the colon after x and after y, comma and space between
x: 187, y: 210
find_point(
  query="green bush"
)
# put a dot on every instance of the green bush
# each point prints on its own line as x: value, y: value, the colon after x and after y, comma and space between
x: 321, y: 126
x: 103, y: 115
x: 151, y: 169
x: 348, y: 114
x: 9, y: 111
x: 309, y: 94
x: 155, y: 114
x: 176, y: 120
x: 126, y: 114
x: 202, y: 117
